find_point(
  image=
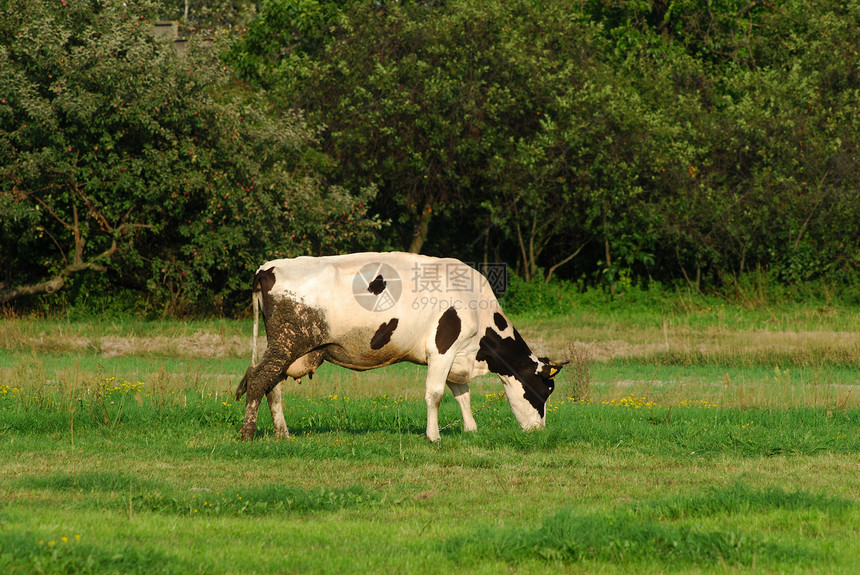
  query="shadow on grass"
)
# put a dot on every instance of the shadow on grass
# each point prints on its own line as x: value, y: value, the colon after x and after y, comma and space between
x: 266, y: 500
x: 123, y: 492
x: 102, y: 482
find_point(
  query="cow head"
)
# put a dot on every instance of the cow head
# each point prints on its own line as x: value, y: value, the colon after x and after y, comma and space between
x: 528, y: 379
x: 529, y: 391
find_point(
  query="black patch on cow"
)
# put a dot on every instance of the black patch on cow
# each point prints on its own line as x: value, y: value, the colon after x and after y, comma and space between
x: 377, y: 286
x: 448, y: 330
x: 264, y: 280
x: 383, y: 334
x: 512, y: 356
x: 505, y: 355
x: 500, y: 321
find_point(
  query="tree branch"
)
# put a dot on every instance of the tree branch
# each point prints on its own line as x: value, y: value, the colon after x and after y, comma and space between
x: 50, y: 286
x: 565, y: 260
x: 50, y: 211
x: 57, y: 282
x: 526, y: 264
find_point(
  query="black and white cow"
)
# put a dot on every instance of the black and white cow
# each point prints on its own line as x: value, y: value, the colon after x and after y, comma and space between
x: 368, y: 310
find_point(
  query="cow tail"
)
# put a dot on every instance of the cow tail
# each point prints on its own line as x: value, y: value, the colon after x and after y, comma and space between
x: 243, y: 385
x: 256, y: 297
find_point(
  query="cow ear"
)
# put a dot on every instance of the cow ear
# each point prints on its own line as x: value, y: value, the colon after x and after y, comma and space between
x: 552, y: 368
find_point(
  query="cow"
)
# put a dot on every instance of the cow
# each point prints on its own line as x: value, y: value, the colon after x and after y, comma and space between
x: 368, y: 310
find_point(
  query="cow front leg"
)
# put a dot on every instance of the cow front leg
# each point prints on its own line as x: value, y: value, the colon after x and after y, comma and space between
x: 437, y: 372
x: 276, y: 407
x: 464, y: 399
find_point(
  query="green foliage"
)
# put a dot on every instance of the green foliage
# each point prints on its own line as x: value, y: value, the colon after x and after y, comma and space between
x: 558, y: 297
x: 611, y: 143
x: 121, y: 157
x: 678, y: 142
x: 538, y: 298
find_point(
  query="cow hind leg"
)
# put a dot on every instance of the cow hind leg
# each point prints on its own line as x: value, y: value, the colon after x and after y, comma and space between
x: 464, y: 398
x: 259, y: 380
x: 276, y: 407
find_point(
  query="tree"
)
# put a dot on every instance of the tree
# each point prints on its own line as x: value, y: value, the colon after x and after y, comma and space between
x: 118, y: 157
x: 616, y: 141
x: 413, y: 97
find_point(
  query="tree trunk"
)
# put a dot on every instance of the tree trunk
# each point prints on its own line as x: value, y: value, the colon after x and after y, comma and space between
x: 422, y: 229
x: 525, y: 255
x: 609, y: 265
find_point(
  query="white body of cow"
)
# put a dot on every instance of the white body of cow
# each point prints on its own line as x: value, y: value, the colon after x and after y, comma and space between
x: 368, y: 310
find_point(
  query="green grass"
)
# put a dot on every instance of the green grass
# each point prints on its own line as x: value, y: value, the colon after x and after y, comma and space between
x: 676, y: 529
x: 727, y: 459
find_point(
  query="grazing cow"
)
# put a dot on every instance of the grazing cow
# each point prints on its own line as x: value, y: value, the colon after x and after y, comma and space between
x: 368, y: 310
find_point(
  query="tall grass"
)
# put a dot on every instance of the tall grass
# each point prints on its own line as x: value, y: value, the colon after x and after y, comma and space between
x: 673, y: 423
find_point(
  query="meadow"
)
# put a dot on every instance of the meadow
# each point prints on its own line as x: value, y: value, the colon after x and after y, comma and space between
x: 684, y: 436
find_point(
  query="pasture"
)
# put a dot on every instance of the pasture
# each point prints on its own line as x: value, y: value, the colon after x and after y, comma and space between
x: 682, y: 437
